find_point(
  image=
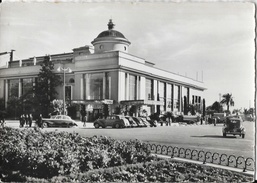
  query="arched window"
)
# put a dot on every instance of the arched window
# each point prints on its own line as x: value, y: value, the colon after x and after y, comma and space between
x: 71, y: 80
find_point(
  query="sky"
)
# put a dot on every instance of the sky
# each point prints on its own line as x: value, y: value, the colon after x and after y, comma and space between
x: 211, y: 42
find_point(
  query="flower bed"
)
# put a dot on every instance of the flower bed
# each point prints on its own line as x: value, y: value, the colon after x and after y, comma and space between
x: 156, y: 171
x: 35, y: 156
x: 34, y: 153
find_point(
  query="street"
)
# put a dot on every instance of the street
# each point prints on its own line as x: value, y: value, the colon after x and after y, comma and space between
x: 201, y: 137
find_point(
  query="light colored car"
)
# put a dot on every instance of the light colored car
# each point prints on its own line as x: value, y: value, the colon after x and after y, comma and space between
x: 126, y: 121
x: 58, y: 121
x: 112, y: 121
x: 131, y: 121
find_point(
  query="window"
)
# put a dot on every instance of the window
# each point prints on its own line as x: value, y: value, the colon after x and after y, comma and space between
x: 27, y: 86
x: 132, y: 87
x: 177, y: 97
x: 101, y: 47
x: 71, y: 80
x: 169, y: 97
x: 13, y: 88
x: 96, y: 86
x: 162, y: 96
x: 68, y: 92
x: 125, y: 48
x: 149, y: 89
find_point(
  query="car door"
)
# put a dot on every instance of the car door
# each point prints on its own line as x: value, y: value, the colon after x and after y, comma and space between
x: 58, y: 120
x: 108, y: 121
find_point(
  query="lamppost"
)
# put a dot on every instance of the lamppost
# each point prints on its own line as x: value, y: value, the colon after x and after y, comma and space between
x: 59, y: 69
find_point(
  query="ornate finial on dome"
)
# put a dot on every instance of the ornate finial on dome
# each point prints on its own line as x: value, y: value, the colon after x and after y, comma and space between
x: 110, y: 25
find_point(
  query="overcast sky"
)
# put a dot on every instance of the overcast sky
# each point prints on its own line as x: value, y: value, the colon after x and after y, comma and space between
x: 216, y: 39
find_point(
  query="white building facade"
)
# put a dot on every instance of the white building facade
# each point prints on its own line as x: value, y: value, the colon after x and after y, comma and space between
x: 107, y: 74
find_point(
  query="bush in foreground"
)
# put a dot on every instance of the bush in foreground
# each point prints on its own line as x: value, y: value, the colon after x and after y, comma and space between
x: 35, y: 156
x: 34, y: 153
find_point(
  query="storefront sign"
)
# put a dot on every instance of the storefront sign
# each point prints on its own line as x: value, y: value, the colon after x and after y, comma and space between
x: 106, y: 101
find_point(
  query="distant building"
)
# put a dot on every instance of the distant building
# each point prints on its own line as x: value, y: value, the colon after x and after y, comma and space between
x: 107, y: 74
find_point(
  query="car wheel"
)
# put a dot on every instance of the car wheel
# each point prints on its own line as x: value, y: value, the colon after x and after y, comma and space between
x: 243, y: 136
x: 117, y: 125
x: 224, y: 134
x: 44, y: 125
x: 97, y: 125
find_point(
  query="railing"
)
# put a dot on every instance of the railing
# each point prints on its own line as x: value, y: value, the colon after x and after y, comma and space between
x: 202, y: 156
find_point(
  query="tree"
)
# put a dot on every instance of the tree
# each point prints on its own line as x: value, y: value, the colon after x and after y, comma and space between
x: 47, y: 81
x: 227, y: 100
x: 217, y: 107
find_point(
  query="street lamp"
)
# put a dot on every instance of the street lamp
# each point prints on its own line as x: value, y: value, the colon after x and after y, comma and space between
x: 59, y: 69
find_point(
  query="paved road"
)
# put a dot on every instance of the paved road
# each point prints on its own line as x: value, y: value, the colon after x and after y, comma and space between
x: 205, y: 137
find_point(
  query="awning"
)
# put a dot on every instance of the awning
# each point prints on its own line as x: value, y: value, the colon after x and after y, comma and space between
x: 141, y: 102
x: 104, y: 101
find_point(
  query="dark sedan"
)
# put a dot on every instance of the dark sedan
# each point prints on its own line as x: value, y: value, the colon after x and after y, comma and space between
x: 58, y: 121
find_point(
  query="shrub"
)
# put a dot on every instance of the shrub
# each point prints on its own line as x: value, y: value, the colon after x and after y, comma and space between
x: 38, y: 154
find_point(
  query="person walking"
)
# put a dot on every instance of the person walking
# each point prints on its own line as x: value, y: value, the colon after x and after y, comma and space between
x: 26, y: 119
x: 83, y: 117
x: 39, y: 120
x: 22, y: 121
x: 30, y: 119
x: 2, y: 120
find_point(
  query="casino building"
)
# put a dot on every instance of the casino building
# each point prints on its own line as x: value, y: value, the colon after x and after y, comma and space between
x: 106, y: 73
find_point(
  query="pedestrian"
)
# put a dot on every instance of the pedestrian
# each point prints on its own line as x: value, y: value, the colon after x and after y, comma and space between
x: 26, y: 119
x: 30, y: 119
x: 22, y: 121
x: 83, y: 117
x: 39, y: 121
x: 2, y: 121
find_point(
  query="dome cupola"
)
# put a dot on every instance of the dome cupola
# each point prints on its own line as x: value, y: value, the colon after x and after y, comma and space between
x: 110, y: 40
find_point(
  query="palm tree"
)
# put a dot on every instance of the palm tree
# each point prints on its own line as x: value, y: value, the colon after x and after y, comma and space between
x: 228, y: 100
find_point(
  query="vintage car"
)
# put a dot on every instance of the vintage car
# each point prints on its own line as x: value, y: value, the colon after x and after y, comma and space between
x: 117, y: 121
x: 58, y: 121
x: 131, y: 121
x: 153, y: 123
x: 217, y: 118
x: 189, y: 119
x: 139, y: 122
x: 234, y: 126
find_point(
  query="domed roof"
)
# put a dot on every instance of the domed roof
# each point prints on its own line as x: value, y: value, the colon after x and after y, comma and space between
x: 110, y: 32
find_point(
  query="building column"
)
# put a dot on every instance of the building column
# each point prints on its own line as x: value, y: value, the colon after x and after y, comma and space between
x: 87, y: 96
x: 6, y: 92
x: 20, y: 88
x: 82, y: 87
x: 104, y: 85
x: 138, y: 88
x: 180, y: 99
x: 127, y: 87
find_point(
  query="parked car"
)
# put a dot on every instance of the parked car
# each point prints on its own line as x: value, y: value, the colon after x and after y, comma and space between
x: 139, y: 122
x: 189, y: 119
x: 234, y: 126
x: 131, y: 121
x: 153, y: 123
x: 145, y: 121
x: 58, y: 121
x: 218, y: 118
x: 111, y: 121
x: 126, y: 121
